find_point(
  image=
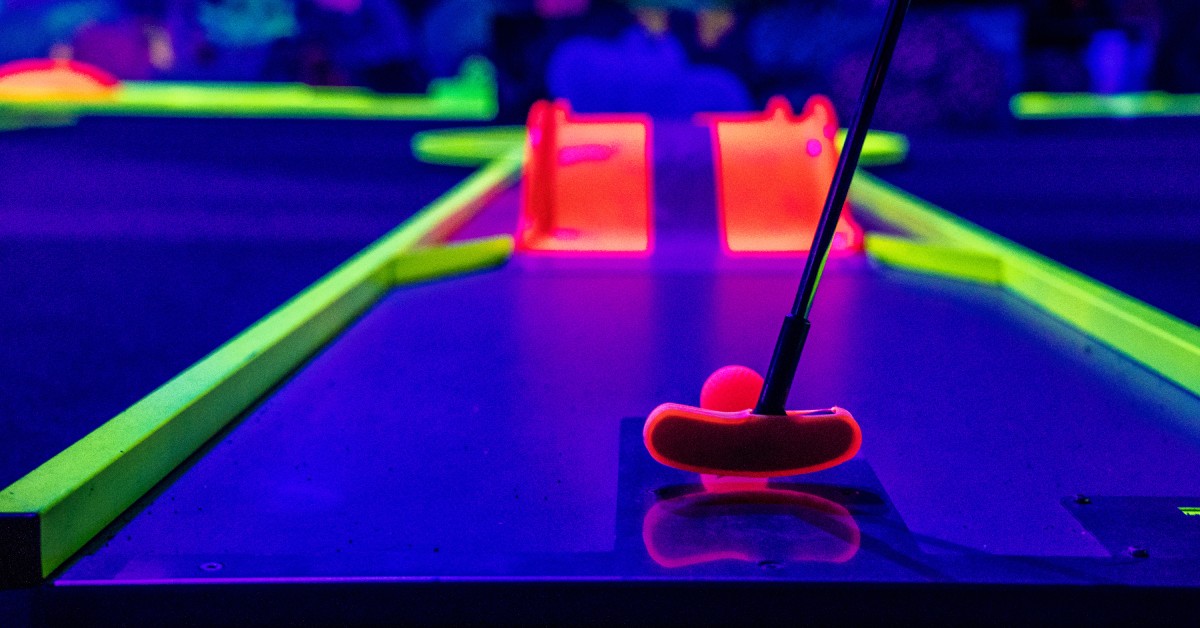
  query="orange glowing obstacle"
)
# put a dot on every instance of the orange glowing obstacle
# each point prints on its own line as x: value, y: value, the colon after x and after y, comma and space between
x: 587, y: 186
x: 773, y: 171
x: 54, y: 79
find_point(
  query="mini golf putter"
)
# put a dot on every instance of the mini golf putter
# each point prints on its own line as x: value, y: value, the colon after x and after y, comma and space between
x: 768, y: 440
x: 725, y: 439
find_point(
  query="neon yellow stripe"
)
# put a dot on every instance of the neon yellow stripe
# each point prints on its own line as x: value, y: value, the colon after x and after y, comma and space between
x: 89, y: 484
x: 1057, y: 106
x: 466, y: 147
x: 439, y: 262
x: 947, y: 261
x: 880, y: 148
x: 473, y: 146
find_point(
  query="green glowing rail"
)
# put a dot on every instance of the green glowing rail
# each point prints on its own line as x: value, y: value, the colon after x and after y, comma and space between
x: 48, y: 515
x: 1057, y: 106
x: 53, y: 512
x: 469, y: 96
x: 468, y: 147
x: 943, y: 244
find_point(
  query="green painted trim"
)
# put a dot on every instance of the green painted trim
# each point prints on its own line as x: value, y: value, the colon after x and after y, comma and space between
x: 466, y: 147
x: 881, y: 148
x: 81, y: 490
x: 1162, y: 343
x: 1058, y: 106
x: 439, y: 262
x: 473, y: 146
x: 85, y: 487
x: 934, y: 259
x: 469, y: 96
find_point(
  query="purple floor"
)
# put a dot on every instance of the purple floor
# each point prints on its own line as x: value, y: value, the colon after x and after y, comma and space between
x: 133, y: 247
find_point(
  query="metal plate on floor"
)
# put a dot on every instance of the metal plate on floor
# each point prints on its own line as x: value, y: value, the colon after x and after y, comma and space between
x: 1141, y: 527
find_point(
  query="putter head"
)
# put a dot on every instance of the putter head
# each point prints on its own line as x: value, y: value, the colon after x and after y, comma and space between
x: 750, y: 445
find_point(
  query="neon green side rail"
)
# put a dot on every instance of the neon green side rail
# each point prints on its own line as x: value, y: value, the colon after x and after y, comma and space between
x: 49, y: 514
x: 1065, y: 105
x: 469, y: 96
x: 54, y: 511
x: 472, y: 146
x: 947, y: 245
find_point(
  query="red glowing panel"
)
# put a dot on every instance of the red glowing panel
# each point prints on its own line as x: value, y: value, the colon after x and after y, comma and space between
x: 773, y: 171
x: 587, y: 183
x: 49, y: 79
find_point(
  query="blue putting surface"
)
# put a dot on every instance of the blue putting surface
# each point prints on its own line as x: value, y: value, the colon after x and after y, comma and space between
x: 485, y: 427
x: 471, y: 442
x: 472, y: 428
x: 133, y: 247
x: 1114, y: 199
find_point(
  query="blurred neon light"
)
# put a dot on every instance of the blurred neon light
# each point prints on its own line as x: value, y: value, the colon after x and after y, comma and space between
x: 478, y: 145
x: 588, y: 183
x: 773, y: 171
x: 467, y: 147
x: 469, y: 96
x: 53, y: 79
x: 705, y: 527
x: 1054, y: 106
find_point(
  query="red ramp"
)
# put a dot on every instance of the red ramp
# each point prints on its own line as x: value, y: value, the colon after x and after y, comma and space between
x: 587, y: 186
x: 773, y: 170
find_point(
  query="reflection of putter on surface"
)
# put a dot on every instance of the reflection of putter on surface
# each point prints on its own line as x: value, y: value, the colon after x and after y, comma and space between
x: 770, y: 441
x: 782, y: 526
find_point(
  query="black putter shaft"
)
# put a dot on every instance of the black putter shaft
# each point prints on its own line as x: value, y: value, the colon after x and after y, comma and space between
x: 794, y: 332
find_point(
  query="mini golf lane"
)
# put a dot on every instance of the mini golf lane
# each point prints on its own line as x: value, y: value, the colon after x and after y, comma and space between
x: 474, y: 428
